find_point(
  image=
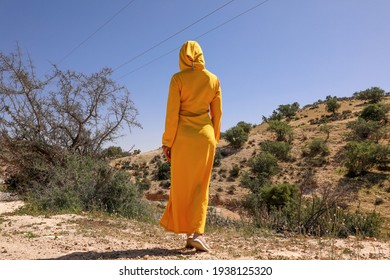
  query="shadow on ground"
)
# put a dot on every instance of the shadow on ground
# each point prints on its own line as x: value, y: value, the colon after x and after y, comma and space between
x: 127, y: 254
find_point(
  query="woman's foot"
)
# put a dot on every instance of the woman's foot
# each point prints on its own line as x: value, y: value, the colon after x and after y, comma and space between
x: 189, y: 240
x: 200, y: 243
x: 189, y: 243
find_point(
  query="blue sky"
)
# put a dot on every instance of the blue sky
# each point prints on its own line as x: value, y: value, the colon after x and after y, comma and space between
x: 278, y: 53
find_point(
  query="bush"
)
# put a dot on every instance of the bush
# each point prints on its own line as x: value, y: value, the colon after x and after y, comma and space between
x: 264, y: 165
x: 236, y: 136
x: 283, y: 131
x: 82, y: 183
x: 361, y: 156
x: 375, y: 112
x: 317, y: 147
x: 274, y: 207
x: 245, y: 126
x: 279, y: 196
x: 281, y: 208
x: 363, y: 224
x: 218, y: 157
x: 284, y: 111
x: 114, y: 152
x: 235, y: 171
x: 289, y: 111
x: 362, y: 129
x: 373, y: 95
x: 253, y: 183
x: 163, y: 171
x: 281, y: 150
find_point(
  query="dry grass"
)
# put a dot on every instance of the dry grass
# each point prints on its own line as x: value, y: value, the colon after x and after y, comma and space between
x: 95, y: 236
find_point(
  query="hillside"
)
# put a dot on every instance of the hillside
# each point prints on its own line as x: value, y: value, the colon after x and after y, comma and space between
x: 367, y: 192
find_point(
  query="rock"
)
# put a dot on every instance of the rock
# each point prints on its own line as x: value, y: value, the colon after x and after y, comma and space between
x: 378, y: 200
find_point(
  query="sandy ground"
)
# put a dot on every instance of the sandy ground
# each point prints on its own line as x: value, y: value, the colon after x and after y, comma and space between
x: 91, y: 237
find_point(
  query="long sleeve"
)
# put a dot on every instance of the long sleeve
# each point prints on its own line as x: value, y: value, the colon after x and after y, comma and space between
x: 172, y: 114
x: 216, y: 113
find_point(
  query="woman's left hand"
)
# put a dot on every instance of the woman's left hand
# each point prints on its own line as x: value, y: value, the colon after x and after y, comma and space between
x: 167, y: 152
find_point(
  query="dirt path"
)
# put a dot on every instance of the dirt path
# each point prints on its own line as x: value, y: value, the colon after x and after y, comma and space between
x: 99, y: 237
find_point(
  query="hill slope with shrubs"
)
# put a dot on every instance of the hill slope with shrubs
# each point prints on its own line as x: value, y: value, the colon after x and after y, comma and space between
x: 319, y: 170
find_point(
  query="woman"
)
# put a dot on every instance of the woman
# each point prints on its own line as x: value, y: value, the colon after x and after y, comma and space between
x: 192, y: 130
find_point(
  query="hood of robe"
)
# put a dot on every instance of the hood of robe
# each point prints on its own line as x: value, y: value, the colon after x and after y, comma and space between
x: 191, y: 56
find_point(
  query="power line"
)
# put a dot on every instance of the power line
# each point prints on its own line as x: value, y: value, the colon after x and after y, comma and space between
x: 207, y: 32
x: 150, y: 62
x: 233, y: 18
x: 96, y: 31
x: 170, y: 37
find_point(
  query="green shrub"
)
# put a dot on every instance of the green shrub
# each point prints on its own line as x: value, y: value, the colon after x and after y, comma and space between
x: 289, y: 111
x: 284, y: 111
x: 163, y: 171
x: 375, y: 112
x: 363, y: 224
x: 282, y: 130
x: 253, y: 183
x: 322, y: 216
x: 281, y: 150
x: 281, y: 208
x: 264, y: 165
x: 142, y: 184
x: 279, y: 196
x: 362, y: 129
x: 236, y: 136
x: 361, y: 156
x: 317, y: 147
x: 235, y: 171
x: 284, y: 209
x: 274, y: 207
x: 247, y: 127
x: 373, y: 94
x: 275, y: 116
x: 218, y: 157
x: 114, y: 152
x: 84, y: 183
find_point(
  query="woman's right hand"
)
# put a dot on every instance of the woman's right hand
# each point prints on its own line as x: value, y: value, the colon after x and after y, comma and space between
x: 167, y: 152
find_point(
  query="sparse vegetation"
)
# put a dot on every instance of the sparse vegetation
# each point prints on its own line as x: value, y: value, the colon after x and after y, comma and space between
x: 282, y: 130
x: 281, y: 150
x: 236, y: 136
x: 82, y: 183
x: 372, y: 95
x: 361, y: 156
x: 375, y: 112
x: 163, y: 171
x: 362, y: 129
x: 114, y: 152
x: 317, y: 147
x: 284, y: 111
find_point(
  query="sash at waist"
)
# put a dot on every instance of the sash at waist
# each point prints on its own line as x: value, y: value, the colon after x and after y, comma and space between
x: 191, y: 114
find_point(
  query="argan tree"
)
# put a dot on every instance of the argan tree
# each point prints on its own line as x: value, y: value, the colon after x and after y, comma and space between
x: 43, y: 120
x: 372, y: 95
x: 331, y: 104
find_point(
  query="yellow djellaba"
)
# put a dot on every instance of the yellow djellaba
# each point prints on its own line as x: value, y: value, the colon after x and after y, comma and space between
x: 192, y: 131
